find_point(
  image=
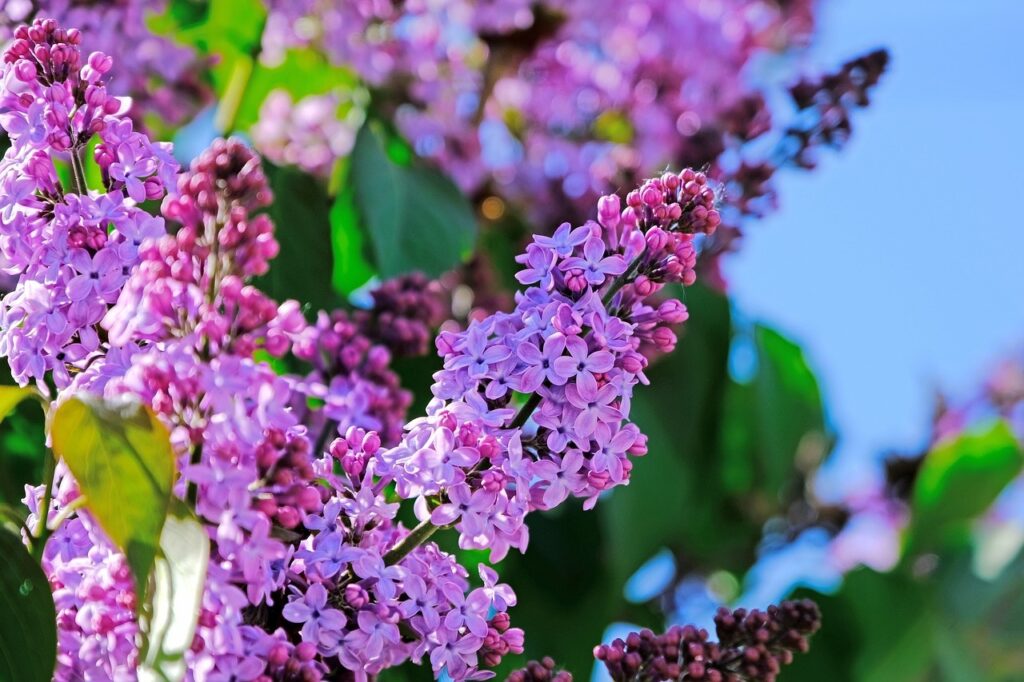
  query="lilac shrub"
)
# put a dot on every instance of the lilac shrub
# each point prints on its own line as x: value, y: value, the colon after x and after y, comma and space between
x: 298, y: 477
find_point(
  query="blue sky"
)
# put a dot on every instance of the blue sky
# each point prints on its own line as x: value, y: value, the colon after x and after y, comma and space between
x: 899, y: 263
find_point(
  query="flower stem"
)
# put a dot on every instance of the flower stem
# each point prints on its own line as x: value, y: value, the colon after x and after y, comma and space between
x: 420, y: 534
x: 65, y: 513
x: 78, y: 173
x: 622, y: 280
x: 42, y: 532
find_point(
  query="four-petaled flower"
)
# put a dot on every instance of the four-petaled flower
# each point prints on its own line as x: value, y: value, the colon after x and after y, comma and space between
x: 320, y: 623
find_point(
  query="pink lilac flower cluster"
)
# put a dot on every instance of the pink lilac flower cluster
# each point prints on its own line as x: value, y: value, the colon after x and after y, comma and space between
x: 308, y: 134
x: 572, y: 342
x: 163, y: 78
x: 254, y: 468
x: 71, y: 249
x: 372, y: 595
x: 182, y: 336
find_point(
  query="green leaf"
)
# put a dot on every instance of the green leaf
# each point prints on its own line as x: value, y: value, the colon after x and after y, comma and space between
x: 22, y: 442
x: 565, y: 592
x: 613, y: 126
x: 351, y: 268
x: 770, y: 421
x: 880, y: 627
x: 301, y: 214
x: 11, y: 397
x: 178, y: 581
x: 790, y: 402
x: 414, y: 217
x: 28, y: 629
x: 960, y: 479
x: 121, y: 457
x: 897, y: 618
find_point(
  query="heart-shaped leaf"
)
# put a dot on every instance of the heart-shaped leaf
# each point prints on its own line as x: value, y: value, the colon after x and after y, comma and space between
x: 121, y: 457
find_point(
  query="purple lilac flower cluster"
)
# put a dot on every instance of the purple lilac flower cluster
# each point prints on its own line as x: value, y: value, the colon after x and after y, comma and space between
x: 572, y: 343
x: 71, y: 249
x: 182, y: 337
x: 163, y: 78
x: 352, y: 379
x: 93, y: 591
x: 752, y: 646
x: 370, y: 607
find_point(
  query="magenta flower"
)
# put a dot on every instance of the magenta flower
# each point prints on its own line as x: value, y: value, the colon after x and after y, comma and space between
x: 99, y: 274
x: 320, y: 623
x: 463, y: 504
x: 131, y: 168
x: 454, y: 653
x: 379, y: 633
x: 594, y: 264
x: 469, y: 611
x: 477, y: 355
x: 15, y: 193
x: 552, y: 417
x: 420, y: 602
x: 564, y: 240
x: 562, y: 476
x: 582, y: 365
x: 540, y: 264
x: 542, y: 364
x: 612, y: 445
x: 371, y: 566
x: 594, y: 405
x: 501, y: 595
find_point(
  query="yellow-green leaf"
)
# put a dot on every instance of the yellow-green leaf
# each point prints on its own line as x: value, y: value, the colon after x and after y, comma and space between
x: 11, y: 396
x: 121, y: 456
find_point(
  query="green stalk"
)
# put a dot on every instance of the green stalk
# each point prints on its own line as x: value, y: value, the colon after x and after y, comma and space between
x: 42, y: 533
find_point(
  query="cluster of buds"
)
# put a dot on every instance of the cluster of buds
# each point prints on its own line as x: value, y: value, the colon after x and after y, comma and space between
x: 406, y: 310
x: 828, y: 101
x: 752, y: 646
x: 539, y: 671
